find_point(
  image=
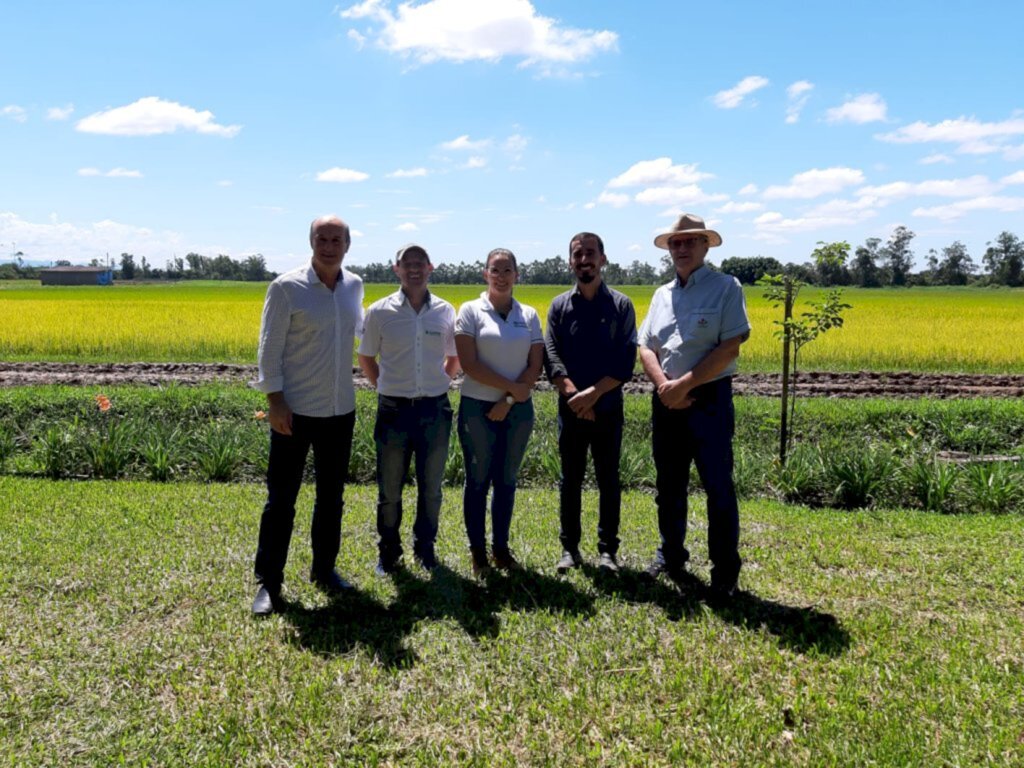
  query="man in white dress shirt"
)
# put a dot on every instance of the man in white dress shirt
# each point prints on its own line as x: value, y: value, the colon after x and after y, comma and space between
x: 408, y: 353
x: 310, y: 319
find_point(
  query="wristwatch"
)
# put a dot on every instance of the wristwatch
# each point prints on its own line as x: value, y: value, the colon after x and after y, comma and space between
x: 510, y: 400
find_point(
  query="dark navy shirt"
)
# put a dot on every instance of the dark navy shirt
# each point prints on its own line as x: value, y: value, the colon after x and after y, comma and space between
x: 588, y: 340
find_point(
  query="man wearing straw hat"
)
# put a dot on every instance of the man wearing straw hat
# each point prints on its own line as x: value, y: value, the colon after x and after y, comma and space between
x: 689, y: 343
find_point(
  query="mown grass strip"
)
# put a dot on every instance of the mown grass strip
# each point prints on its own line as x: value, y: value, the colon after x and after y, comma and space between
x: 862, y: 639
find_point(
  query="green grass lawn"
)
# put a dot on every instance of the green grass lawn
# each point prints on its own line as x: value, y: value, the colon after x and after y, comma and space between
x: 867, y: 638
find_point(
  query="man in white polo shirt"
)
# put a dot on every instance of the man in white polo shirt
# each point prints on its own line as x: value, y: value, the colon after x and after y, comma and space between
x: 408, y: 353
x: 689, y: 343
x: 310, y: 319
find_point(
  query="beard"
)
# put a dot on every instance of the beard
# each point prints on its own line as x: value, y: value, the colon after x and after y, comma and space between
x: 586, y: 277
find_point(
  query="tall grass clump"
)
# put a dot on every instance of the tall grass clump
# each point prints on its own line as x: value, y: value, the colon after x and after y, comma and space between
x: 858, y: 478
x: 994, y: 488
x: 931, y: 483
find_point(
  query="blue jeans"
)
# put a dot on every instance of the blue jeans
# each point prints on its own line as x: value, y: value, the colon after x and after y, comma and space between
x: 701, y: 434
x: 331, y: 440
x: 406, y: 427
x: 492, y: 452
x: 604, y: 439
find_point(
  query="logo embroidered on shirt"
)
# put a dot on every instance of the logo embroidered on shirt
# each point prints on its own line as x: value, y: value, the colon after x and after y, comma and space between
x: 702, y: 323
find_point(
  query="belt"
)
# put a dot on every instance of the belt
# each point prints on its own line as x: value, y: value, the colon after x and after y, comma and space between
x: 412, y: 400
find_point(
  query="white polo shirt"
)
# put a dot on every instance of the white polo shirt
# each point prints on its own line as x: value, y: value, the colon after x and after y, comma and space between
x: 412, y: 345
x: 685, y: 322
x: 307, y: 336
x: 503, y: 345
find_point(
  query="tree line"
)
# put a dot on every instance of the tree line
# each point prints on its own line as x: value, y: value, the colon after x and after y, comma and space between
x: 870, y: 265
x: 875, y: 264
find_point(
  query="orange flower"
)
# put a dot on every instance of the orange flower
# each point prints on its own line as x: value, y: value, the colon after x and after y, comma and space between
x: 102, y: 402
x: 259, y: 415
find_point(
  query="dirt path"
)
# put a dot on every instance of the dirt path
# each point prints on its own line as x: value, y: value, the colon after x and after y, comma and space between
x: 820, y: 384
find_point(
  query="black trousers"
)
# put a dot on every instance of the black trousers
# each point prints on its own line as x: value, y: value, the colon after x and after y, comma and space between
x: 331, y: 441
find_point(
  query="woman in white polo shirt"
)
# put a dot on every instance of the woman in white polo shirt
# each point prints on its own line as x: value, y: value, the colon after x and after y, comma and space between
x: 501, y: 349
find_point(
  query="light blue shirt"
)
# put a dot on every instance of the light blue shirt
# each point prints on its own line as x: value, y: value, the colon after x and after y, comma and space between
x: 307, y: 336
x: 503, y: 345
x: 412, y: 345
x: 685, y: 322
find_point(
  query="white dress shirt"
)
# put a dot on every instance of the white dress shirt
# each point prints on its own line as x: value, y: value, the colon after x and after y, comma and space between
x: 307, y: 337
x: 412, y: 345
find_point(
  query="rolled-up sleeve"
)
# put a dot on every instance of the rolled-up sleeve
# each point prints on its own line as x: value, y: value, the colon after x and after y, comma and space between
x: 273, y: 334
x: 734, y: 313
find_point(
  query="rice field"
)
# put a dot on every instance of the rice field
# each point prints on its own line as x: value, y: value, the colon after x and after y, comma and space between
x: 918, y: 329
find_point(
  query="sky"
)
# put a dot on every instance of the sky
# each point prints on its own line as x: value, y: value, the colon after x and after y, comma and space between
x: 160, y: 128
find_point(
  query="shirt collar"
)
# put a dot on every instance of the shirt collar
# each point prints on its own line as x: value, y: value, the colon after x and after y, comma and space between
x: 602, y: 290
x: 313, y: 277
x: 695, y: 277
x: 403, y: 299
x: 490, y: 307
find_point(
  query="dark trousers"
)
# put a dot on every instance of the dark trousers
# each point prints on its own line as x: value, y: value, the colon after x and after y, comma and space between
x: 603, y: 437
x: 405, y: 427
x: 701, y: 434
x: 331, y: 440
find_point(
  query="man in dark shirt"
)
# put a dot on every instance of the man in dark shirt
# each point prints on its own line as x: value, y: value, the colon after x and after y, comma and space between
x: 590, y: 349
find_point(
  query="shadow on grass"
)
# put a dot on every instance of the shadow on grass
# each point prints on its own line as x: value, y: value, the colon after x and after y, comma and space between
x: 358, y: 621
x: 800, y: 629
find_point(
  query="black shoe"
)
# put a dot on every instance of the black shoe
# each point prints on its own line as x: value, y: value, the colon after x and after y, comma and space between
x: 659, y: 567
x: 568, y: 561
x: 266, y: 601
x: 608, y: 563
x: 722, y: 592
x: 426, y: 560
x: 481, y: 568
x: 387, y: 567
x: 330, y: 582
x: 504, y: 560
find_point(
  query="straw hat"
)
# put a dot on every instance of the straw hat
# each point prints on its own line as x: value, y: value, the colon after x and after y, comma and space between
x: 688, y: 224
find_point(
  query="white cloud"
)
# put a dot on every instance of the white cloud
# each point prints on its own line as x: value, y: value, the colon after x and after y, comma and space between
x: 962, y: 207
x: 749, y: 189
x: 959, y: 131
x: 475, y: 162
x: 81, y: 242
x: 816, y: 182
x: 113, y: 173
x: 342, y: 175
x: 1013, y: 178
x: 659, y: 171
x: 866, y: 108
x: 358, y: 39
x: 410, y: 173
x: 60, y: 113
x: 676, y: 196
x: 614, y: 199
x: 732, y: 207
x: 972, y: 186
x: 225, y: 183
x: 515, y: 145
x: 635, y: 247
x: 733, y: 97
x: 407, y: 227
x: 463, y: 142
x: 774, y: 223
x: 938, y: 157
x: 123, y: 173
x: 1013, y: 154
x: 798, y: 93
x: 468, y: 30
x: 14, y: 112
x: 151, y: 116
